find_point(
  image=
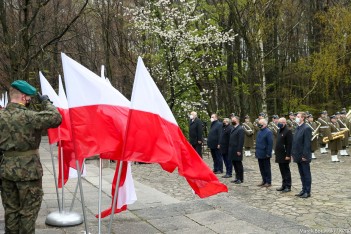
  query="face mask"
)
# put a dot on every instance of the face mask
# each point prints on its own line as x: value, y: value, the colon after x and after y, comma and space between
x: 259, y: 125
x: 191, y: 116
x: 212, y: 119
x: 234, y: 123
x: 27, y: 103
x: 297, y: 120
x: 280, y: 125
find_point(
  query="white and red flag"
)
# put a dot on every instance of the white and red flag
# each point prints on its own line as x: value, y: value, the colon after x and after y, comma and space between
x: 62, y: 134
x: 153, y: 135
x: 98, y: 115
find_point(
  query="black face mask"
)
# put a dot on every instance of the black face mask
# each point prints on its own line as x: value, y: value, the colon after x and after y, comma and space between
x: 27, y: 103
x: 259, y: 125
x: 234, y: 123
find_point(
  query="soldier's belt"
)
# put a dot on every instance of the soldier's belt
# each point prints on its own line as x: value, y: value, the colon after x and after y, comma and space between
x: 324, y: 127
x: 20, y: 153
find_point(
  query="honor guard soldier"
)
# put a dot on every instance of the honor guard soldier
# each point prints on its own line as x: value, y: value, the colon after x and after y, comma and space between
x: 324, y: 130
x: 20, y: 169
x: 335, y: 141
x: 256, y: 124
x: 342, y: 120
x: 273, y: 126
x: 315, y: 132
x: 291, y: 122
x: 249, y: 136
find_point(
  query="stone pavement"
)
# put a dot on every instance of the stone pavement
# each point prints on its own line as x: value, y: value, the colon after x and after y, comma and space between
x: 166, y: 203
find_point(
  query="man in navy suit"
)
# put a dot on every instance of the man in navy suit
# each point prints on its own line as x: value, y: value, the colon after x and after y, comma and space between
x: 195, y: 132
x: 301, y: 153
x: 213, y: 138
x: 235, y: 151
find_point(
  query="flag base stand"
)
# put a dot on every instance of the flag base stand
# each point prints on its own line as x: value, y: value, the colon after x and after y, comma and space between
x: 63, y: 219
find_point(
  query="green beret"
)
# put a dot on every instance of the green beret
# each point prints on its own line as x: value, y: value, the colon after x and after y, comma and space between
x: 24, y: 87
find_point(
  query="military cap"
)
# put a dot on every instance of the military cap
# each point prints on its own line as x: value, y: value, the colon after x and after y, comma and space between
x: 232, y: 115
x: 262, y: 114
x: 275, y: 117
x: 24, y: 87
x: 291, y: 113
x: 323, y: 112
x: 333, y: 117
x: 343, y: 109
x: 337, y: 113
x: 309, y: 116
x: 247, y: 117
x: 343, y: 112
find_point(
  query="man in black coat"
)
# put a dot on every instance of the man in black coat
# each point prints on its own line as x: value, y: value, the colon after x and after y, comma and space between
x: 224, y: 145
x: 235, y: 151
x: 283, y: 154
x: 301, y: 153
x: 213, y: 144
x: 195, y: 133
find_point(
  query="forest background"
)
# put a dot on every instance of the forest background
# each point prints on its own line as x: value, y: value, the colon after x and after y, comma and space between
x: 210, y: 56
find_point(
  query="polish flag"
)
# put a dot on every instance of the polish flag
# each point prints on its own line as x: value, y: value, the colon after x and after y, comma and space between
x: 98, y: 118
x: 153, y: 135
x: 63, y: 132
x: 98, y: 111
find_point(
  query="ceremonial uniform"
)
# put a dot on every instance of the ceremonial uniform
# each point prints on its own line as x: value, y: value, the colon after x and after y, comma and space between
x: 274, y: 128
x: 324, y: 131
x: 292, y: 125
x: 249, y: 140
x: 336, y: 144
x: 20, y: 169
x: 345, y: 142
x: 314, y: 139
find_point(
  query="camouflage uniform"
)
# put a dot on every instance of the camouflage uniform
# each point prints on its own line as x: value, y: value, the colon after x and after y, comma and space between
x: 20, y: 168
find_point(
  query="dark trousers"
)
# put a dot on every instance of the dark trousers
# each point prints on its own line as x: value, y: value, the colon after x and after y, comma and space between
x: 286, y: 175
x: 228, y: 164
x: 239, y: 170
x: 198, y: 148
x: 217, y: 160
x: 305, y: 174
x: 265, y: 169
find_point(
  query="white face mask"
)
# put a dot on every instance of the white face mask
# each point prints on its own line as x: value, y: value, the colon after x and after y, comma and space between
x: 212, y: 119
x: 297, y: 120
x: 191, y: 116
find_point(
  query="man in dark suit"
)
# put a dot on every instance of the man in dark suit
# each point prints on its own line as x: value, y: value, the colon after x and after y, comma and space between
x: 224, y: 146
x: 301, y: 153
x: 282, y: 154
x: 213, y: 144
x: 195, y: 133
x: 235, y: 151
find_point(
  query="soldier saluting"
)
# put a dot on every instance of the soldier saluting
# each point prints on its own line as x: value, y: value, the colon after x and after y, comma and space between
x: 20, y: 169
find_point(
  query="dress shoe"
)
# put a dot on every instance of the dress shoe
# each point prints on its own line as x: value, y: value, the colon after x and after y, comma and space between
x: 238, y: 182
x: 261, y: 184
x: 226, y: 176
x: 305, y: 195
x: 218, y: 172
x: 286, y: 190
x: 280, y: 188
x: 299, y: 194
x: 266, y: 185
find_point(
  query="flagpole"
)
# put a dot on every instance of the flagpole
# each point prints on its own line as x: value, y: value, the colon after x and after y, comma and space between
x: 115, y: 196
x: 62, y: 218
x: 82, y: 196
x: 55, y: 178
x: 100, y: 188
x: 74, y: 197
x: 62, y: 176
